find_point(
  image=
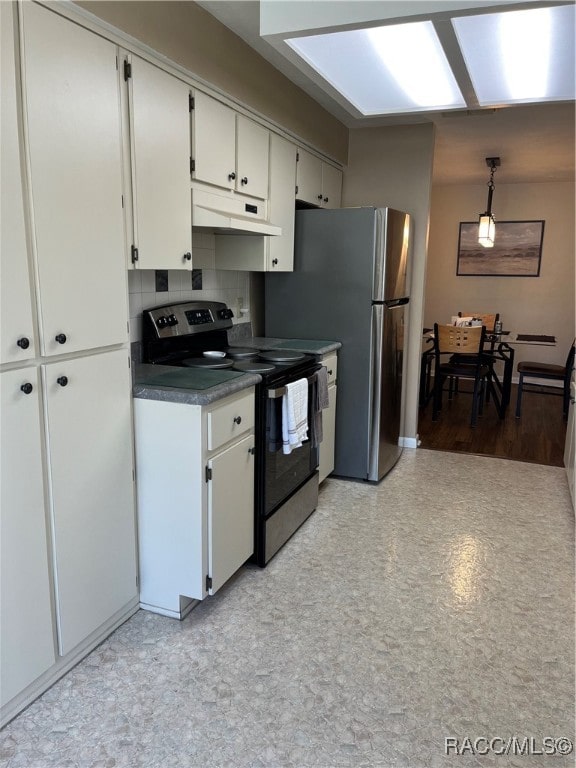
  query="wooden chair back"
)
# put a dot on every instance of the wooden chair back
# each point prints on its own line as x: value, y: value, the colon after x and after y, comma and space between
x: 461, y: 340
x: 488, y: 321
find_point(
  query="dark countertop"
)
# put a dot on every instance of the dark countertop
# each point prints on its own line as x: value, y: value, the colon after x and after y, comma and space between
x: 309, y: 346
x: 190, y: 386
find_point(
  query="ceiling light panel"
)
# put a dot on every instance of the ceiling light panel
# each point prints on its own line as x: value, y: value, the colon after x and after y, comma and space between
x: 520, y: 56
x: 384, y: 70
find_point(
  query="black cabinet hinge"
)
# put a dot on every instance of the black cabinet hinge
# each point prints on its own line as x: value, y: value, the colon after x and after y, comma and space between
x: 134, y: 252
x: 192, y: 165
x: 190, y: 102
x: 208, y: 583
x: 208, y: 474
x: 127, y: 70
x: 296, y: 188
x: 297, y: 156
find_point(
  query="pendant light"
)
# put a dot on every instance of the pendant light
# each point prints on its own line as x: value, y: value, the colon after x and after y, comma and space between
x: 486, y: 221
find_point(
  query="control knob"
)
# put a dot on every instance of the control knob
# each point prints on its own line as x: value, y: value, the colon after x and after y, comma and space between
x: 171, y: 320
x: 162, y: 321
x: 225, y: 314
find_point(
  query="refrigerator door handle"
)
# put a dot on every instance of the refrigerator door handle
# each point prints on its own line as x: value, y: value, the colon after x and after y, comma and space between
x: 376, y: 388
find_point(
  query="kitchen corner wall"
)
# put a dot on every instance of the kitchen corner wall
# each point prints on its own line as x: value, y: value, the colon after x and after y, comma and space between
x: 231, y: 287
x: 392, y: 166
x: 540, y: 305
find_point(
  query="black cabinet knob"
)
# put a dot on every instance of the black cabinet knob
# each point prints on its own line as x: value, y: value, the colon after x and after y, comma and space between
x: 27, y: 388
x: 231, y: 176
x: 244, y: 180
x: 60, y: 338
x: 237, y: 419
x: 252, y: 451
x: 188, y: 256
x: 62, y: 380
x: 320, y: 197
x: 23, y: 343
x: 325, y: 199
x: 330, y: 373
x: 274, y: 262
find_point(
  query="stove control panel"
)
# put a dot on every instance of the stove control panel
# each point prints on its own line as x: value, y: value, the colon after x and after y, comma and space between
x: 185, y: 318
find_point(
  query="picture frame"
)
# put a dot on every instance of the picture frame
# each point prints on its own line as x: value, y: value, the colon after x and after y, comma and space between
x: 517, y: 250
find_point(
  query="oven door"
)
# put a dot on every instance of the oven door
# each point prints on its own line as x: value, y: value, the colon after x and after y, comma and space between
x: 283, y: 473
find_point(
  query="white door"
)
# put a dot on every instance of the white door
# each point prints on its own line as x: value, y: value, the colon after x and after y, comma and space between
x: 570, y: 447
x: 26, y: 628
x: 309, y: 178
x: 252, y: 158
x: 230, y: 511
x: 71, y: 85
x: 280, y: 257
x: 90, y: 466
x: 17, y: 340
x: 331, y: 186
x: 160, y: 122
x: 214, y: 142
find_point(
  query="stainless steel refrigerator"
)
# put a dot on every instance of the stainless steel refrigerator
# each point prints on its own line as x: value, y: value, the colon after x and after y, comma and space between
x: 349, y: 285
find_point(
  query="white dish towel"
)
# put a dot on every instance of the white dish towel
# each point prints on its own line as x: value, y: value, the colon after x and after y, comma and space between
x: 294, y: 415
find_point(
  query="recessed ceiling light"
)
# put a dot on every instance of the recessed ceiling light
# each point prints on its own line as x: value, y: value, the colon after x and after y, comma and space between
x: 396, y: 68
x: 520, y: 56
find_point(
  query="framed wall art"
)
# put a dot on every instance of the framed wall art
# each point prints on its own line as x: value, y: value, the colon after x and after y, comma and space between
x: 517, y: 250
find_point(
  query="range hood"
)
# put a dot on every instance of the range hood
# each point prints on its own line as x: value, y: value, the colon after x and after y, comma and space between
x: 230, y: 215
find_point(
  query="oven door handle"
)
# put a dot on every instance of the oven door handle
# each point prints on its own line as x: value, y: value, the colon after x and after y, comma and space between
x: 272, y: 394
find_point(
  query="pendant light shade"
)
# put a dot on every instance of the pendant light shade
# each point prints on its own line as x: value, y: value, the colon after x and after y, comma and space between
x: 486, y: 221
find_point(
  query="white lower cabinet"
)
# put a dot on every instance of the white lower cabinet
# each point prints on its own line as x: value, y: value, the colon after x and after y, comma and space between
x: 195, y: 480
x: 27, y: 642
x: 90, y: 459
x: 326, y: 459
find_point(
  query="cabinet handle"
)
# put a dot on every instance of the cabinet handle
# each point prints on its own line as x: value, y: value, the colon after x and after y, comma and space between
x: 252, y: 451
x: 237, y: 419
x: 27, y: 388
x: 325, y: 199
x: 320, y: 197
x: 274, y: 262
x: 62, y: 380
x: 188, y: 256
x: 244, y: 180
x: 23, y: 343
x: 329, y: 373
x: 231, y: 176
x: 60, y: 338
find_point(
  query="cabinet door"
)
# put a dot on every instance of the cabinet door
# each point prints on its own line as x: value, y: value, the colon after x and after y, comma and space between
x: 281, y: 207
x: 309, y: 178
x: 252, y: 158
x: 160, y: 122
x: 326, y: 463
x: 26, y: 631
x: 72, y: 95
x: 90, y: 465
x: 230, y: 511
x: 331, y: 186
x: 214, y: 142
x: 17, y: 341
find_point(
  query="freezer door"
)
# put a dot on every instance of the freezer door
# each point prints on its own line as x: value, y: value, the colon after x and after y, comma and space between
x: 392, y: 245
x: 386, y: 398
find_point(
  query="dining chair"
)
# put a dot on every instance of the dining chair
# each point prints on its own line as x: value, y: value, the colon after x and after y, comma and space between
x: 530, y: 369
x: 463, y: 346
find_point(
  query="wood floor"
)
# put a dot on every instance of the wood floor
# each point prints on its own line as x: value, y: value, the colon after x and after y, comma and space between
x: 538, y: 436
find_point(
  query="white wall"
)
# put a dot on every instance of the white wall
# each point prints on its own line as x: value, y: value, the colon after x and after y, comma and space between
x: 393, y: 167
x: 543, y: 304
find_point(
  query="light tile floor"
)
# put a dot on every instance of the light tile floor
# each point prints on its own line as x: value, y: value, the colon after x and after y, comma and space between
x: 437, y: 604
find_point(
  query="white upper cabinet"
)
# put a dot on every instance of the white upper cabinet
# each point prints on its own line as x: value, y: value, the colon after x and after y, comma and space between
x: 252, y: 145
x: 160, y: 152
x: 229, y: 150
x: 318, y: 182
x: 267, y: 254
x: 17, y: 338
x: 73, y: 114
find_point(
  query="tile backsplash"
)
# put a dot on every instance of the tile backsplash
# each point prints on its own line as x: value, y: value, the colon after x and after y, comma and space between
x: 231, y: 287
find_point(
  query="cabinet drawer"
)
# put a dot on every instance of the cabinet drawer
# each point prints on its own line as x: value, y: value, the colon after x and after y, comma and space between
x: 331, y: 365
x: 230, y: 420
